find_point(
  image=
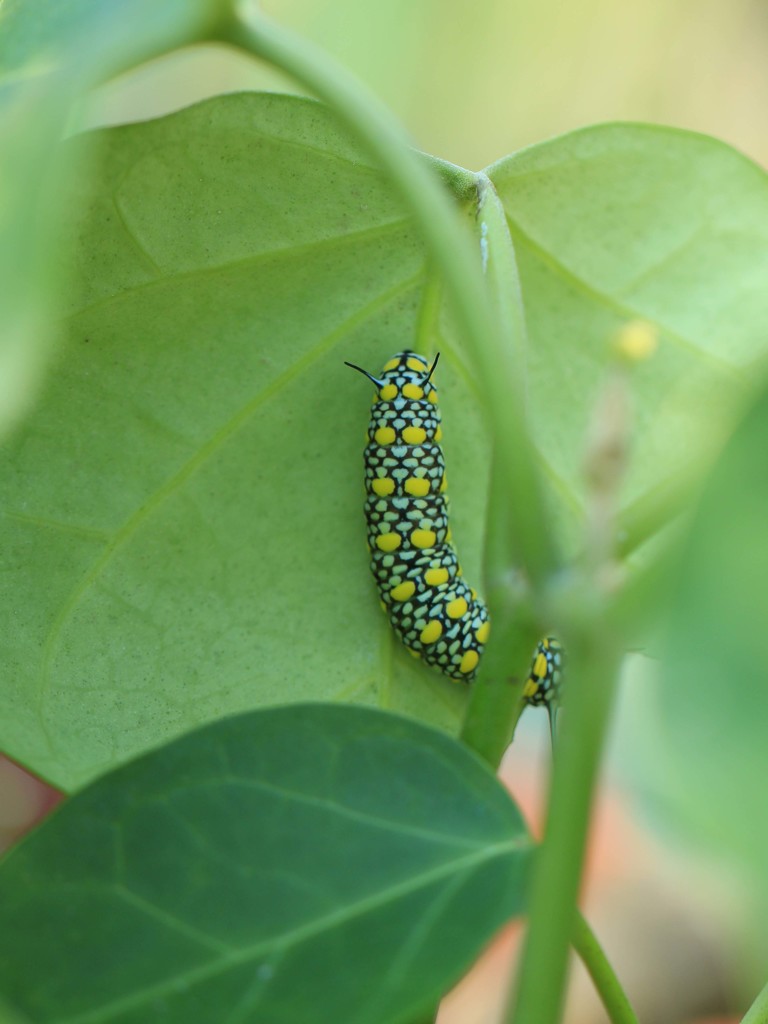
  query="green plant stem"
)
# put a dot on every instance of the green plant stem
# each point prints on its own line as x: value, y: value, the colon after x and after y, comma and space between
x: 492, y: 716
x: 592, y: 667
x: 495, y: 704
x: 647, y: 516
x: 758, y: 1011
x: 602, y: 974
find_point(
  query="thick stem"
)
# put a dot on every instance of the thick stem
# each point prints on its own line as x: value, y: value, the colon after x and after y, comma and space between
x: 592, y: 667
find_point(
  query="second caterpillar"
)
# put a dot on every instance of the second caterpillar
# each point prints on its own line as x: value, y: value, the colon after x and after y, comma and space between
x: 433, y: 610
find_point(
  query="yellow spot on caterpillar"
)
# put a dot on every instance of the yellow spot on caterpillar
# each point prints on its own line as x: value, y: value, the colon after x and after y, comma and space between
x: 530, y: 688
x: 388, y: 392
x: 443, y: 483
x: 392, y: 364
x: 415, y: 364
x: 540, y: 665
x: 384, y: 435
x: 431, y: 632
x: 417, y: 486
x: 423, y: 538
x: 382, y: 606
x: 414, y: 435
x: 413, y: 654
x: 434, y: 577
x: 469, y: 662
x: 473, y: 592
x: 403, y: 591
x: 383, y: 486
x: 448, y: 535
x: 483, y: 633
x: 388, y: 541
x: 457, y: 608
x: 413, y: 391
x: 432, y: 396
x: 439, y: 434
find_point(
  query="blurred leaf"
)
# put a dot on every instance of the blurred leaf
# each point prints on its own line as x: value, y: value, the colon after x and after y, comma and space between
x: 184, y: 517
x: 619, y: 222
x: 8, y: 1016
x: 90, y: 38
x: 699, y: 748
x: 311, y: 863
x: 49, y: 54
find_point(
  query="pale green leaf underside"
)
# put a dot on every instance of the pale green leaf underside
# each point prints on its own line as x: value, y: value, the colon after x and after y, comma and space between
x: 310, y: 863
x: 625, y: 221
x: 184, y: 516
x: 183, y: 513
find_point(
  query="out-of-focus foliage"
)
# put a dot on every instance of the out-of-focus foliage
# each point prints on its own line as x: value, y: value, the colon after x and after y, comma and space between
x: 701, y: 753
x: 49, y: 54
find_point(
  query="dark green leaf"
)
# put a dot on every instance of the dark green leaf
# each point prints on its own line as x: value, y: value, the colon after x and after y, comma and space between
x: 311, y: 863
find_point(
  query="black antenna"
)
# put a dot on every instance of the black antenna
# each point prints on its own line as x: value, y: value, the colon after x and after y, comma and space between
x: 432, y: 370
x: 378, y: 383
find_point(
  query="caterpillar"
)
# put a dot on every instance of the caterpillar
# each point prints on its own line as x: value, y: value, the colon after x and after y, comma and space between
x: 436, y: 614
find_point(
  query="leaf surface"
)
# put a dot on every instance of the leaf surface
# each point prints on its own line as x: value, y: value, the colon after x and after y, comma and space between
x: 307, y: 863
x: 624, y: 221
x: 184, y: 512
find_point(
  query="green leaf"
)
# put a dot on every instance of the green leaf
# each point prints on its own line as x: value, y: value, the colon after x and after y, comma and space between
x: 699, y: 750
x: 310, y: 863
x: 619, y: 222
x: 184, y: 512
x: 49, y: 54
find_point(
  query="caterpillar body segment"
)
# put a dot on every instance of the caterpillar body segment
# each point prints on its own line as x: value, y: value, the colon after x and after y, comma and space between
x: 544, y: 683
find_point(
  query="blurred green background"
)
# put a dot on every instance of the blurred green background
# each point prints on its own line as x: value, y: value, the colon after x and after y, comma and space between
x: 475, y: 81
